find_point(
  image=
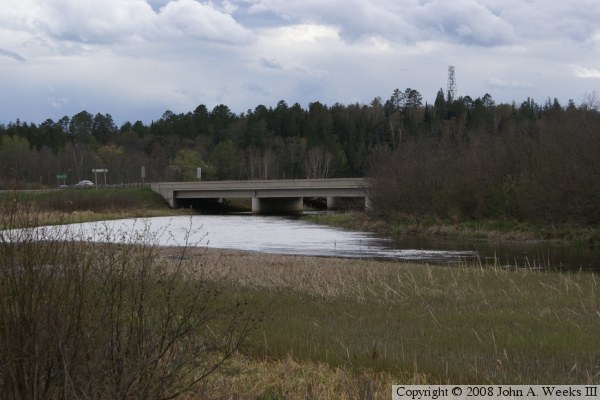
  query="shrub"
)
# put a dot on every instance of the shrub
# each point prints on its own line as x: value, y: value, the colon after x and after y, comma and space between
x: 83, y: 320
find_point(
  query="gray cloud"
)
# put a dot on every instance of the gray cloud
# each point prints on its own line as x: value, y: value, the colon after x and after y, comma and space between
x: 157, y: 4
x: 353, y: 18
x: 12, y: 54
x: 270, y: 63
x: 472, y: 22
x: 463, y: 21
x: 574, y: 20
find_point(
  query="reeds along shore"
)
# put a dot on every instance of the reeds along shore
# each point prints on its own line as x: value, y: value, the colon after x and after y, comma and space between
x: 378, y: 323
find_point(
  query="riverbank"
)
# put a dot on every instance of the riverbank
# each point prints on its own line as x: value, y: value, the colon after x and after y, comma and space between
x: 332, y: 328
x: 57, y: 207
x: 492, y: 230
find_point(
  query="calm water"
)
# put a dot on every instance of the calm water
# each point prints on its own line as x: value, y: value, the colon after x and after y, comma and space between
x: 537, y: 255
x: 283, y: 235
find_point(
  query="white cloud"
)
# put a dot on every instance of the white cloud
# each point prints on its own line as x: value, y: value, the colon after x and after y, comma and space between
x: 91, y: 21
x: 508, y: 84
x: 584, y: 72
x: 189, y: 19
x: 58, y: 103
x: 115, y: 21
x: 308, y: 33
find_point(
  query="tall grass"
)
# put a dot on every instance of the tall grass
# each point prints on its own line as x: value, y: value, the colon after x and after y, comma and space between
x: 468, y: 324
x: 71, y: 206
x: 104, y: 321
x: 98, y: 200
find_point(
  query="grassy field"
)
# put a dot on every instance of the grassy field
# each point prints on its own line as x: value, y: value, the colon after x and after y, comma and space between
x: 55, y: 207
x: 356, y: 326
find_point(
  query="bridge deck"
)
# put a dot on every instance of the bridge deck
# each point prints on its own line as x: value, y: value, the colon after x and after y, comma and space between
x: 263, y: 189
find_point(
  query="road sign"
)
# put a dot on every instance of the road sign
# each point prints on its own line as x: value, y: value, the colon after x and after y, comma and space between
x: 96, y: 171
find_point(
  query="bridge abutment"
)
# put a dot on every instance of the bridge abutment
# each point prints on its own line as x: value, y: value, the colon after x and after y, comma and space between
x: 170, y: 197
x: 277, y: 205
x: 368, y: 204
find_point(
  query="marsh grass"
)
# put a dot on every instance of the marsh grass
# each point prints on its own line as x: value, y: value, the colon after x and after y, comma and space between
x: 91, y: 199
x: 243, y: 377
x: 584, y: 236
x: 467, y: 324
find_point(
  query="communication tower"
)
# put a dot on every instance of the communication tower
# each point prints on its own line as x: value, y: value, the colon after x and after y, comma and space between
x: 451, y: 83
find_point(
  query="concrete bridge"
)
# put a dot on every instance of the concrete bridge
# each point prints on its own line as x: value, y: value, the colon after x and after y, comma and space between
x: 285, y: 196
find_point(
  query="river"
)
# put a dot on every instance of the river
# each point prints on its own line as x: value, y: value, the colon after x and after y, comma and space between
x: 283, y: 235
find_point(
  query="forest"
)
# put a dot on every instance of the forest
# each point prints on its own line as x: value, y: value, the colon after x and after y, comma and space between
x: 455, y: 158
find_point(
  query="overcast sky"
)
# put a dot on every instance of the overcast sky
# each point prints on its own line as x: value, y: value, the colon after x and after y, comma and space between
x: 135, y: 59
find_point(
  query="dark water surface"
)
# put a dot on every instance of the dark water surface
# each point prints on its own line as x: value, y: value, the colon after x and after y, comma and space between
x: 531, y: 254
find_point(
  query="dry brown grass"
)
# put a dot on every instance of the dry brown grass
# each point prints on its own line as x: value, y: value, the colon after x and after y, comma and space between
x: 248, y: 378
x: 314, y: 276
x: 467, y: 324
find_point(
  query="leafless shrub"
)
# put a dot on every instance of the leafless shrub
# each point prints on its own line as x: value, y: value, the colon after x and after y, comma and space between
x: 102, y: 321
x: 542, y: 169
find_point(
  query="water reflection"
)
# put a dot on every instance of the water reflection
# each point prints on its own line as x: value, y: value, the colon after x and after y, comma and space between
x: 509, y: 254
x: 277, y: 235
x: 282, y: 235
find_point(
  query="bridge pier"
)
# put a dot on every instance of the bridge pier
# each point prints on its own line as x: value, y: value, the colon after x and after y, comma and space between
x: 170, y: 197
x: 277, y: 205
x: 368, y: 204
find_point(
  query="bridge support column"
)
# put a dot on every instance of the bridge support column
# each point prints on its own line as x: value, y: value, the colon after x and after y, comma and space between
x: 334, y: 203
x: 171, y: 199
x: 277, y: 205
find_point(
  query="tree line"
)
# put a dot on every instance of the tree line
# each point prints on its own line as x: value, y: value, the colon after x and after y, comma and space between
x: 460, y: 157
x: 479, y: 160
